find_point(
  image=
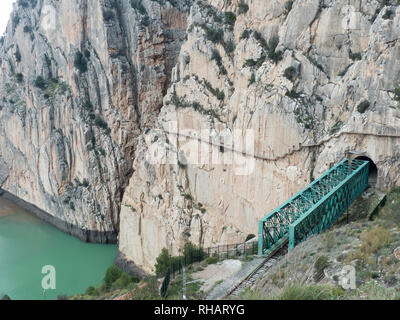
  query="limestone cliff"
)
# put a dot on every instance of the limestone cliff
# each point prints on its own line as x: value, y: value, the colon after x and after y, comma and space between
x: 80, y: 80
x: 174, y: 121
x: 301, y: 81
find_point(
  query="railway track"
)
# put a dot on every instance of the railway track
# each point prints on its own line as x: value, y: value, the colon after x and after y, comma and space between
x: 259, y: 271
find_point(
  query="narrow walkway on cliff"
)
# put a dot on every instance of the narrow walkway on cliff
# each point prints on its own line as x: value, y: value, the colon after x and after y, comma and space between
x: 300, y: 147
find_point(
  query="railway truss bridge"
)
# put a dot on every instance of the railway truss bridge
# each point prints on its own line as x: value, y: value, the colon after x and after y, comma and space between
x: 315, y: 208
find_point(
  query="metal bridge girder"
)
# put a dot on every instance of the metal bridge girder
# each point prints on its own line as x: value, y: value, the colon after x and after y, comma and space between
x: 315, y: 208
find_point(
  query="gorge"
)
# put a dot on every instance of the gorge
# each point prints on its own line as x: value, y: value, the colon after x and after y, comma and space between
x: 88, y: 89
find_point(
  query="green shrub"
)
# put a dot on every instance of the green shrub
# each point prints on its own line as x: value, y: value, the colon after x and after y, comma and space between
x: 311, y: 292
x: 243, y: 7
x: 315, y: 63
x: 165, y: 284
x: 363, y: 106
x: 389, y: 13
x: 23, y: 3
x: 108, y: 15
x: 336, y: 127
x: 217, y: 57
x: 90, y: 291
x: 40, y: 82
x: 17, y: 55
x: 16, y: 19
x: 273, y: 43
x: 80, y: 62
x: 321, y: 263
x: 193, y: 253
x: 269, y: 47
x: 113, y: 273
x: 87, y: 105
x: 272, y: 53
x: 344, y: 71
x: 257, y: 35
x: 123, y: 281
x: 145, y: 21
x: 149, y: 291
x: 275, y: 56
x: 27, y: 29
x: 19, y: 77
x: 163, y: 261
x: 252, y: 79
x: 292, y: 94
x: 290, y: 73
x: 87, y: 54
x: 254, y: 63
x: 288, y: 6
x: 250, y: 236
x: 220, y: 95
x: 355, y: 56
x: 397, y: 94
x: 230, y: 19
x: 214, y: 35
x: 329, y: 240
x: 184, y: 166
x: 390, y: 214
x: 229, y: 46
x: 245, y: 34
x: 371, y: 242
x: 100, y: 123
x: 139, y: 7
x: 211, y: 260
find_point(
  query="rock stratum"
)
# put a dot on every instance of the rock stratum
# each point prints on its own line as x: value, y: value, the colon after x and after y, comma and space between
x: 173, y: 121
x: 80, y: 80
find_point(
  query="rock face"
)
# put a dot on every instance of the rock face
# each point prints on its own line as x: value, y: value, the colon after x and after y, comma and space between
x: 264, y: 98
x: 80, y: 80
x: 175, y: 121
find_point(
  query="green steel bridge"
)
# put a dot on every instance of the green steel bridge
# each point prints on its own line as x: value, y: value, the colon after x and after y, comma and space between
x: 315, y: 208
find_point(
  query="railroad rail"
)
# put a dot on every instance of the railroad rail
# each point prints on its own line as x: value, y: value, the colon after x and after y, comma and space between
x: 259, y: 270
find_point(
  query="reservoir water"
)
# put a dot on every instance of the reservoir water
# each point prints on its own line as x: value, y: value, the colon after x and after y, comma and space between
x: 27, y: 244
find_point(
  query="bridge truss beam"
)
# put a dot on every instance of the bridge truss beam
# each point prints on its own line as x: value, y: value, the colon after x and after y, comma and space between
x: 315, y: 208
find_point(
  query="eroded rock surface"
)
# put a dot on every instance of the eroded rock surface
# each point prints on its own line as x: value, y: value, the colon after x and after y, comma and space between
x: 80, y: 80
x: 101, y: 102
x: 309, y: 81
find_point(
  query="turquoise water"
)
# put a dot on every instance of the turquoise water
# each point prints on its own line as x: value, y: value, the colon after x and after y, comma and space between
x: 27, y: 244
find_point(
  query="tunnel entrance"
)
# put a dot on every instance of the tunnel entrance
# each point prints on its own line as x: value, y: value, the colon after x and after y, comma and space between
x: 373, y: 170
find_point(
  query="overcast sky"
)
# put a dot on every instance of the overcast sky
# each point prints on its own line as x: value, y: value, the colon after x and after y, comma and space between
x: 5, y: 10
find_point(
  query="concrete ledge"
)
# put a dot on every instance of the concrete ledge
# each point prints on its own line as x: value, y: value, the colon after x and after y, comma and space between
x: 82, y: 234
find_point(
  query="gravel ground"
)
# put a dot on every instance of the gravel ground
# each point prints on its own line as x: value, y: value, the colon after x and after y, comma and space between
x: 232, y: 280
x: 217, y: 272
